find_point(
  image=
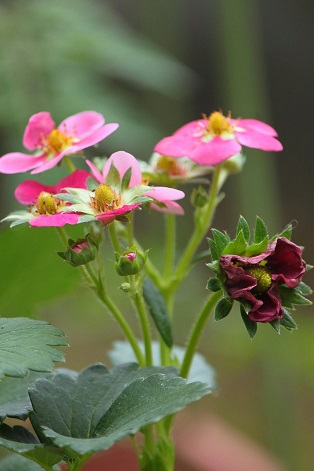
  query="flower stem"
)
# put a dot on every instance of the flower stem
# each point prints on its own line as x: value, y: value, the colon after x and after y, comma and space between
x: 196, y: 333
x: 68, y: 162
x: 170, y: 245
x: 114, y: 237
x: 141, y: 310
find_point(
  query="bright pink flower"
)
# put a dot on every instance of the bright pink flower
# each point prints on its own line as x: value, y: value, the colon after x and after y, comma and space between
x: 256, y: 279
x: 212, y: 140
x: 44, y: 209
x: 164, y: 197
x: 51, y: 144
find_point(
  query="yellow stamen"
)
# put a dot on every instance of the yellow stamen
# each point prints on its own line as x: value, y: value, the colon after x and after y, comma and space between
x: 105, y: 199
x: 57, y: 141
x: 47, y: 203
x: 218, y: 124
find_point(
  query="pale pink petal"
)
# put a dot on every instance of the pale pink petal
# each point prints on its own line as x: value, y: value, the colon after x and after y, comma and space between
x: 257, y: 140
x: 93, y: 138
x: 48, y: 164
x: 39, y: 125
x: 82, y: 124
x: 171, y: 207
x: 28, y: 191
x: 122, y: 162
x: 109, y: 216
x: 16, y: 162
x: 76, y: 179
x: 193, y: 128
x: 177, y: 145
x: 215, y: 151
x: 160, y: 193
x: 255, y: 125
x: 55, y: 220
x: 95, y: 172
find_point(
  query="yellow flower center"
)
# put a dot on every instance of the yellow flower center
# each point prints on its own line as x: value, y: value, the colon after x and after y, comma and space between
x: 47, y: 204
x: 218, y: 124
x: 105, y: 199
x: 168, y: 165
x: 57, y: 141
x: 262, y: 276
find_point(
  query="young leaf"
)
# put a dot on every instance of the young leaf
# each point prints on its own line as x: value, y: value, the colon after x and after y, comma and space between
x: 244, y: 227
x: 26, y: 344
x: 260, y: 230
x: 158, y: 311
x: 250, y: 326
x: 223, y: 308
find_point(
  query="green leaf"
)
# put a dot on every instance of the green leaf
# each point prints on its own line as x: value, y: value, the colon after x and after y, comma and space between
x: 287, y: 321
x: 100, y: 407
x: 223, y: 308
x: 221, y: 240
x: 26, y: 344
x: 237, y: 246
x: 158, y: 311
x: 250, y: 325
x: 18, y: 463
x: 244, y: 227
x: 291, y: 296
x: 260, y: 230
x: 200, y: 369
x: 14, y: 399
x: 213, y: 284
x: 213, y: 249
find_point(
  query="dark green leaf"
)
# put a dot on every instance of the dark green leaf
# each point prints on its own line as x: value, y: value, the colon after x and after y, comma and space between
x: 237, y: 246
x: 221, y: 240
x: 291, y: 296
x: 158, y: 311
x: 244, y: 227
x: 287, y: 321
x: 304, y: 289
x: 214, y: 284
x: 223, y: 308
x: 26, y: 344
x: 19, y: 463
x: 250, y: 326
x: 260, y: 230
x: 275, y: 324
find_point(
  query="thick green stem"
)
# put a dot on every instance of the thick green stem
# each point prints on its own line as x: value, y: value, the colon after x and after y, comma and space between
x: 196, y: 333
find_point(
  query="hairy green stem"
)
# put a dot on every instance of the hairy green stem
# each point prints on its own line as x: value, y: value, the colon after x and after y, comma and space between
x: 170, y: 245
x: 68, y: 162
x: 142, y: 314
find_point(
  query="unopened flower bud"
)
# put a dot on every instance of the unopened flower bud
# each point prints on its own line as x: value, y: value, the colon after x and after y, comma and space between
x: 130, y: 262
x: 80, y: 252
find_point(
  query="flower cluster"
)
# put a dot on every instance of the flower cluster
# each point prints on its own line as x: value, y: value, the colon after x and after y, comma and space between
x: 265, y: 276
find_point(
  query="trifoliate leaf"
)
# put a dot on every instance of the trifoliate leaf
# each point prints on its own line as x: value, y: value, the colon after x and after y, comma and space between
x: 244, y: 227
x: 223, y: 308
x: 260, y: 230
x: 250, y: 325
x: 27, y: 344
x: 158, y: 311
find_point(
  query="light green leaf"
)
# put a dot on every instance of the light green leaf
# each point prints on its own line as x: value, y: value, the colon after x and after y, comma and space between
x: 19, y: 463
x: 260, y: 230
x: 26, y: 344
x: 158, y: 310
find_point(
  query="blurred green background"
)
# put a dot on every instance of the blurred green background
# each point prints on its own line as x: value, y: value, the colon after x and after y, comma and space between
x: 152, y: 66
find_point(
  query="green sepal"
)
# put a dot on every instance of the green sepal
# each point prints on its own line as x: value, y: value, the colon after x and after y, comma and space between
x: 213, y: 249
x: 125, y: 267
x: 287, y: 321
x: 237, y: 246
x: 88, y: 247
x: 250, y: 325
x: 223, y: 308
x: 215, y: 267
x: 221, y: 240
x: 292, y: 296
x: 256, y: 249
x: 214, y: 284
x: 113, y: 178
x: 92, y: 184
x: 260, y: 231
x: 125, y: 183
x: 275, y: 324
x: 244, y: 227
x: 287, y: 232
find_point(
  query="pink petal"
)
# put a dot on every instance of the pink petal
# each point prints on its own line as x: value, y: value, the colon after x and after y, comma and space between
x: 48, y: 164
x: 39, y: 126
x: 55, y: 220
x: 255, y: 125
x: 94, y: 137
x: 82, y: 124
x: 161, y: 194
x: 28, y: 191
x: 257, y: 140
x: 171, y: 207
x: 123, y: 161
x: 95, y: 172
x: 193, y: 128
x: 177, y: 145
x: 215, y: 151
x: 109, y: 216
x: 77, y: 179
x: 16, y: 162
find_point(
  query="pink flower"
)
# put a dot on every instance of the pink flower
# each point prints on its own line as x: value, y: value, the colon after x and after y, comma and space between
x: 51, y: 144
x: 44, y: 208
x: 256, y: 279
x: 212, y: 140
x: 164, y: 197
